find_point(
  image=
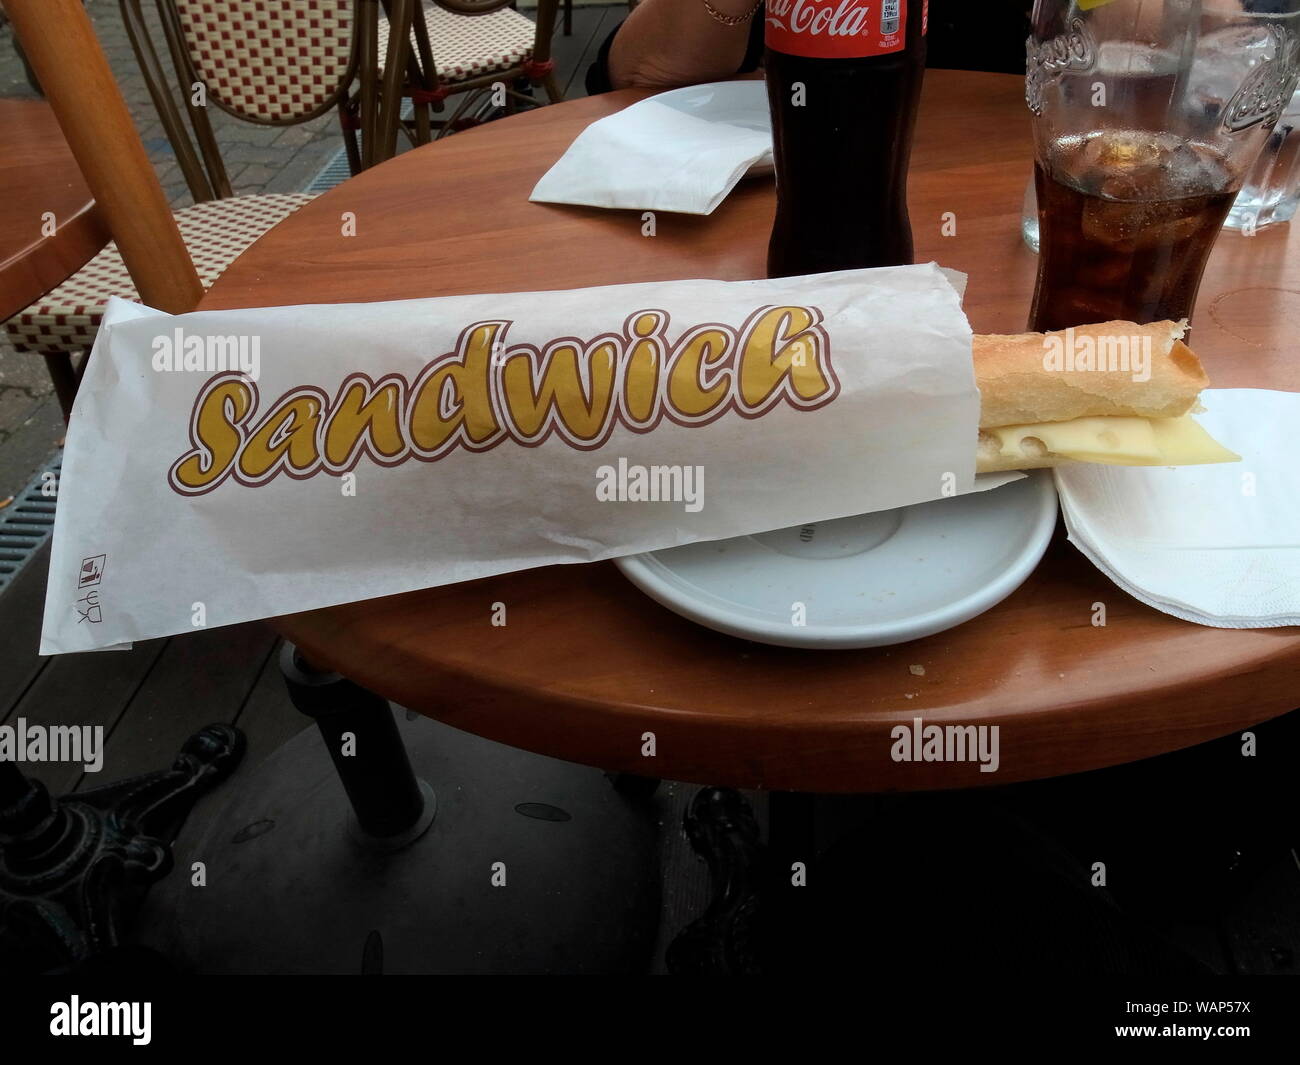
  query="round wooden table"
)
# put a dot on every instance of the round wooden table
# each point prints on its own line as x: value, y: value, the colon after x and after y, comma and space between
x: 39, y: 178
x: 587, y: 665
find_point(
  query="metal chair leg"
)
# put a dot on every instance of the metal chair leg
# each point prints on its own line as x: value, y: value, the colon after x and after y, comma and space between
x: 64, y: 378
x: 349, y: 126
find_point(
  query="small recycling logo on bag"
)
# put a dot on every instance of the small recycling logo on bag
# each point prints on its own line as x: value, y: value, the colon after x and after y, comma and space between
x: 92, y: 569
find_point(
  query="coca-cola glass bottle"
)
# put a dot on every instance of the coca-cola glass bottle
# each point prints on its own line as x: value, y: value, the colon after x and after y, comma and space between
x: 843, y: 83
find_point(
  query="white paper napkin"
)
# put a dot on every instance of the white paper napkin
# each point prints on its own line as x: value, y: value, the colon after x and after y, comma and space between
x: 679, y: 151
x: 1218, y: 545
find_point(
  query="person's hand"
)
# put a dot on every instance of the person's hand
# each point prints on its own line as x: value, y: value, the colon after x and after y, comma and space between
x: 667, y: 43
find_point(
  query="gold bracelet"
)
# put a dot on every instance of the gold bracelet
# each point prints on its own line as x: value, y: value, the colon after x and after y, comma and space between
x: 732, y: 20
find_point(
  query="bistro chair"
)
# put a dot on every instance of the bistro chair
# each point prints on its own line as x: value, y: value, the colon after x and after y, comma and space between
x: 272, y: 63
x: 465, y: 47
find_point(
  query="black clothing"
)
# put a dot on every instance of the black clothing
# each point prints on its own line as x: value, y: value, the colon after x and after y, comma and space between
x: 961, y: 36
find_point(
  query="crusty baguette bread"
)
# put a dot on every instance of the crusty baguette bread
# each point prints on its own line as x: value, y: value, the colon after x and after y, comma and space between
x: 1015, y: 389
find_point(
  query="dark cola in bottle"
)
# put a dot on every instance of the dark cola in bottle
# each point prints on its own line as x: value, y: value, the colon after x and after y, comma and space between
x: 843, y: 83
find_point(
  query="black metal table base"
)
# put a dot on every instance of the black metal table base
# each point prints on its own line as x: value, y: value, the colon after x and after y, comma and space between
x: 73, y: 870
x: 725, y: 939
x: 756, y: 920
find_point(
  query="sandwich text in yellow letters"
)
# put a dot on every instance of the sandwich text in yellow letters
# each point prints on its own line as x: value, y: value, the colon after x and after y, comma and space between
x: 484, y: 393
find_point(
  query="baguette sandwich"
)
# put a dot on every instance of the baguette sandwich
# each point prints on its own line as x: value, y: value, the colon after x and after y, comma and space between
x: 1114, y: 393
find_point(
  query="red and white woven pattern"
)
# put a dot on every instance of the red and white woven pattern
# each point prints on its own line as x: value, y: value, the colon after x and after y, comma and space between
x: 215, y: 232
x: 269, y: 60
x: 465, y: 46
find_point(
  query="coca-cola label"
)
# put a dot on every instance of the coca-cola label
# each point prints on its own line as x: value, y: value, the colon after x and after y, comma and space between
x: 837, y: 29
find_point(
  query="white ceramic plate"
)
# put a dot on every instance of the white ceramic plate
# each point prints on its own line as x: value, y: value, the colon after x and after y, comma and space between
x: 867, y: 581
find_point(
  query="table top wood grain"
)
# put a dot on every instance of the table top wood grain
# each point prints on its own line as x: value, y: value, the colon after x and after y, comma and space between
x: 586, y: 665
x: 38, y: 179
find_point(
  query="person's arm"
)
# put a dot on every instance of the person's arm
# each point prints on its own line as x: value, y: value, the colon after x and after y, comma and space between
x: 665, y: 43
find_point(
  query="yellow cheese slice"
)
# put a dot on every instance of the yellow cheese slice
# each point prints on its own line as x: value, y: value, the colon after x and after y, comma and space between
x: 1186, y: 437
x: 1115, y: 441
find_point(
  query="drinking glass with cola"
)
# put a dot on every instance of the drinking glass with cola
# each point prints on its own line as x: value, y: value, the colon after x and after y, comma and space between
x: 1147, y: 117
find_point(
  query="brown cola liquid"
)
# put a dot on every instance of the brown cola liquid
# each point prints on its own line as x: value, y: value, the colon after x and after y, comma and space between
x: 841, y: 156
x: 1127, y: 220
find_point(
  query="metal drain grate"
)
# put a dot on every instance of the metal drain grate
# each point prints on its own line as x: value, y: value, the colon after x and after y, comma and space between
x: 335, y: 172
x: 26, y: 523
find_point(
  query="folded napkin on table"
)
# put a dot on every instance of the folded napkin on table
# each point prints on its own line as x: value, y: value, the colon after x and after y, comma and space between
x: 680, y: 151
x: 1218, y: 545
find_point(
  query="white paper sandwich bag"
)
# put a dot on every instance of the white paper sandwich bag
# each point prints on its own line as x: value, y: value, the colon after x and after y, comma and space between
x: 223, y: 466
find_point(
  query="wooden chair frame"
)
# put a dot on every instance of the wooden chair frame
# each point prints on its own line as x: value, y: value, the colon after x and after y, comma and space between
x: 430, y: 91
x: 60, y: 43
x: 203, y: 168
